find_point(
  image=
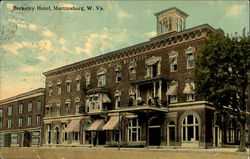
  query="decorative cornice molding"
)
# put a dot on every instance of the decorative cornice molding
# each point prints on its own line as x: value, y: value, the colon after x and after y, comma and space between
x: 156, y: 43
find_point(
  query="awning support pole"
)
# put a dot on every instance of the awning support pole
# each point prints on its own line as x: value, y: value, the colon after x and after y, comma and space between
x: 119, y: 132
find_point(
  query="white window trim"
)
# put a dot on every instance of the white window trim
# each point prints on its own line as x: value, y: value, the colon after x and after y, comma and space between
x: 130, y: 130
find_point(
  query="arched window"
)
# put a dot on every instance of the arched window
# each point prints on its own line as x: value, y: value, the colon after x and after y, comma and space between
x: 190, y: 129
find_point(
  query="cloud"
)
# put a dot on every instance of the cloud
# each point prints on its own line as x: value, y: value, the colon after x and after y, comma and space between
x: 67, y: 50
x: 12, y: 47
x: 48, y: 33
x: 122, y: 14
x: 44, y: 45
x: 29, y: 69
x: 41, y: 58
x: 79, y: 50
x: 61, y: 41
x: 12, y: 20
x: 235, y: 10
x: 151, y: 34
x: 28, y: 26
x: 9, y: 6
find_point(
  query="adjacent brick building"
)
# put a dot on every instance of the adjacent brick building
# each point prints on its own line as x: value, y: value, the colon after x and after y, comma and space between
x: 21, y: 119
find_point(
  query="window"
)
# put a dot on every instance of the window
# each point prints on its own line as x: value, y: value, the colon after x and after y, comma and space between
x: 59, y: 89
x: 88, y: 77
x: 153, y: 66
x: 132, y: 73
x: 30, y: 107
x: 65, y: 134
x: 9, y: 110
x: 1, y: 112
x: 172, y: 92
x: 134, y: 130
x: 117, y: 99
x: 189, y: 90
x: 118, y: 76
x: 171, y: 132
x: 77, y: 107
x: 39, y: 105
x: 48, y: 129
x: 20, y: 122
x: 1, y: 124
x: 29, y: 121
x: 20, y: 108
x: 190, y: 129
x: 75, y: 136
x: 173, y: 64
x: 68, y: 85
x: 78, y: 84
x: 67, y: 106
x: 9, y: 124
x: 38, y: 120
x: 101, y: 80
x: 50, y: 91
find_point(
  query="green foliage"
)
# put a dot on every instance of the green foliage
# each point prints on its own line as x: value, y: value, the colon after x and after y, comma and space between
x: 221, y: 74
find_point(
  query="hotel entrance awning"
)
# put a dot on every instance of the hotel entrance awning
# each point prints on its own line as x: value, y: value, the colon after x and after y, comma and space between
x: 73, y: 126
x: 97, y: 125
x: 112, y: 123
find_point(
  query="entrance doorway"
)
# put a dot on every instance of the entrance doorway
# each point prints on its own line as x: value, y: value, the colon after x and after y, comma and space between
x: 27, y: 139
x: 154, y: 132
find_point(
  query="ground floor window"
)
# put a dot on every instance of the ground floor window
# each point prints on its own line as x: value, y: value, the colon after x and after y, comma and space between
x: 134, y: 130
x: 190, y: 128
x: 64, y: 134
x: 49, y: 133
x: 36, y: 137
x: 116, y: 135
x: 75, y: 136
x: 171, y: 132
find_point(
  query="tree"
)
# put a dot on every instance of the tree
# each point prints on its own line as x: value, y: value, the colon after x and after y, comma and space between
x: 222, y: 74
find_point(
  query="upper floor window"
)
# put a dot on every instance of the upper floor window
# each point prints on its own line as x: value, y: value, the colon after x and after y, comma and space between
x: 132, y: 71
x: 173, y: 61
x: 20, y: 108
x: 1, y: 124
x: 101, y: 76
x: 50, y: 88
x: 117, y: 99
x: 9, y: 124
x: 10, y: 110
x: 20, y: 122
x: 87, y: 77
x: 118, y: 73
x: 38, y: 120
x: 67, y: 106
x: 77, y: 101
x: 78, y: 83
x: 39, y: 105
x: 68, y: 85
x: 1, y: 112
x: 179, y: 24
x: 190, y: 57
x: 153, y: 66
x: 189, y: 90
x: 58, y: 105
x: 172, y: 92
x: 59, y: 87
x: 29, y: 106
x: 29, y: 123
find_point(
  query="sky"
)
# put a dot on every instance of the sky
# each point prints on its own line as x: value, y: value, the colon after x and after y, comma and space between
x: 33, y: 42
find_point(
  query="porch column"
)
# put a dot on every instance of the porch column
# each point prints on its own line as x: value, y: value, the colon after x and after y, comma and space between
x: 154, y: 88
x: 136, y: 94
x: 160, y: 91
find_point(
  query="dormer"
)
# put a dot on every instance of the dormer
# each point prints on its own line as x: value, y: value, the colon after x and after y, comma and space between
x: 170, y: 20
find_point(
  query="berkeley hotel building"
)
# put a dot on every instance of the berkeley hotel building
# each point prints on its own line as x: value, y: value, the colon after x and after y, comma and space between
x: 142, y: 95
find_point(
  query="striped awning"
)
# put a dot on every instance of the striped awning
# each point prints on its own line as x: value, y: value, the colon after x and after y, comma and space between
x: 73, y: 126
x: 97, y: 125
x: 172, y: 90
x: 112, y: 123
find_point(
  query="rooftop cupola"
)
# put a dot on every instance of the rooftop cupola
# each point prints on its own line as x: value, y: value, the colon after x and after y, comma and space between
x: 169, y: 20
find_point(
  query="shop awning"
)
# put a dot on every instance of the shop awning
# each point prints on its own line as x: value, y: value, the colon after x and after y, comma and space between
x: 189, y: 88
x: 112, y: 123
x: 105, y: 99
x: 73, y: 126
x: 97, y: 125
x: 172, y: 90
